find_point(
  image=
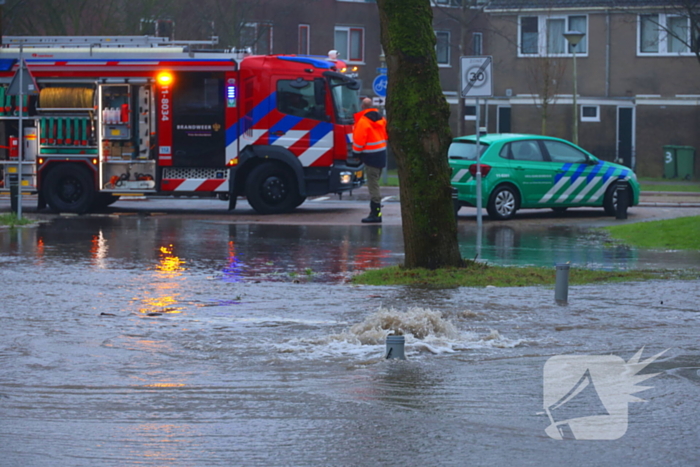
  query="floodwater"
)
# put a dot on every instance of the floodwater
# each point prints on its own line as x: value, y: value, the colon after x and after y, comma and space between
x: 167, y: 342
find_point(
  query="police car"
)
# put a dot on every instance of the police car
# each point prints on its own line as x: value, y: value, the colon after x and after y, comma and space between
x: 531, y: 171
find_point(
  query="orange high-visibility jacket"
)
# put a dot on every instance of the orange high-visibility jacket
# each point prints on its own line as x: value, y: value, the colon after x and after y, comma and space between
x: 369, y: 137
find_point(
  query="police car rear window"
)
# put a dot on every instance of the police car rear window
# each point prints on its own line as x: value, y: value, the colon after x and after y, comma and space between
x: 465, y: 150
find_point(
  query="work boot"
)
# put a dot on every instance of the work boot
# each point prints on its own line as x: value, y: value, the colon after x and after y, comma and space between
x: 375, y: 214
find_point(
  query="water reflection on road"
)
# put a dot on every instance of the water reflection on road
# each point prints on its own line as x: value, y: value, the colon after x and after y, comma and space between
x: 310, y: 253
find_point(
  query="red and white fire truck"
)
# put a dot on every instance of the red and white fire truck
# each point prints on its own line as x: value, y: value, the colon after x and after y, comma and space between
x: 139, y: 115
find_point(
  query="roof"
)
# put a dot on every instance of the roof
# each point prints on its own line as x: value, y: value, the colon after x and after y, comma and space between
x: 491, y: 138
x: 496, y: 5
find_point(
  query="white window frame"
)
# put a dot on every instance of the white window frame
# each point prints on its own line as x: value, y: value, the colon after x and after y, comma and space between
x: 590, y: 119
x: 254, y: 47
x: 304, y: 30
x: 663, y: 39
x: 448, y: 3
x: 447, y: 43
x: 542, y: 36
x: 345, y: 54
x: 481, y: 43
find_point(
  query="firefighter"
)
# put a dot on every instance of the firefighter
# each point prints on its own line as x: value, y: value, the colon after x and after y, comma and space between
x: 369, y: 144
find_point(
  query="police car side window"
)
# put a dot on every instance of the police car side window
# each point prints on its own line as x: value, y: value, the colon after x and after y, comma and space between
x: 526, y: 151
x: 564, y: 153
x: 505, y: 152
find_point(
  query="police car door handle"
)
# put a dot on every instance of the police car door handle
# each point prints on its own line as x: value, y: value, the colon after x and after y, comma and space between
x: 279, y: 133
x: 519, y: 167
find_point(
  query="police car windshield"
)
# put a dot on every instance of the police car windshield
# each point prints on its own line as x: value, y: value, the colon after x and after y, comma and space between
x: 345, y: 100
x: 465, y: 150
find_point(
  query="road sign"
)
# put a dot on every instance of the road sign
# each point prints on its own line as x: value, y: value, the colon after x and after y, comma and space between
x: 381, y: 71
x: 476, y: 76
x: 379, y: 85
x: 29, y: 86
x: 378, y: 101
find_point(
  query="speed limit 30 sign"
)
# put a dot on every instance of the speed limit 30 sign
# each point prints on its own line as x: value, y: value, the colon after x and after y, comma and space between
x: 476, y: 76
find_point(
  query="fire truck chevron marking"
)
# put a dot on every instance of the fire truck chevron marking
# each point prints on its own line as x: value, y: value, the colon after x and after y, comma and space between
x: 196, y: 184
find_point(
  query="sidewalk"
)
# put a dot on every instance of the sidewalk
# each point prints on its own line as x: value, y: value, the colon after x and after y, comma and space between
x: 646, y: 198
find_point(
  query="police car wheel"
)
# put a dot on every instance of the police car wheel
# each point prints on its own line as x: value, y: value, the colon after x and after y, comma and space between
x: 610, y: 200
x: 69, y: 188
x: 272, y: 189
x: 503, y: 203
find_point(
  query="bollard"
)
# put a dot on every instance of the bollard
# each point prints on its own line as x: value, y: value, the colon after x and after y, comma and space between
x: 14, y: 192
x: 622, y: 191
x: 394, y: 347
x: 561, y: 288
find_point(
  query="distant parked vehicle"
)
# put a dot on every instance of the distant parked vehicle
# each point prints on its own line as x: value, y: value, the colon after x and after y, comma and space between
x: 532, y: 171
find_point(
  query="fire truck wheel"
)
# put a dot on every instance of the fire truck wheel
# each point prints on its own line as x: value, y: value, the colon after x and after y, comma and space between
x: 102, y: 200
x: 299, y: 201
x: 272, y: 189
x: 69, y: 188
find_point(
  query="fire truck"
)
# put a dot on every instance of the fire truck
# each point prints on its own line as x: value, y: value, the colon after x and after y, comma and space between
x: 144, y: 116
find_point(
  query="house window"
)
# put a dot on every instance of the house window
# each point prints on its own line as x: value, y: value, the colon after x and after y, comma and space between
x: 544, y: 35
x: 350, y: 43
x: 304, y: 32
x: 448, y: 2
x: 257, y: 36
x: 590, y: 113
x: 470, y: 112
x: 529, y: 35
x: 477, y: 43
x: 664, y: 34
x: 442, y: 48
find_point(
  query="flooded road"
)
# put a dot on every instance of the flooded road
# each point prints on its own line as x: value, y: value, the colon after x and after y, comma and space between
x: 157, y: 341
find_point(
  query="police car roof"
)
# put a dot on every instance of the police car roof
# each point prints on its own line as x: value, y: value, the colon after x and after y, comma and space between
x: 491, y: 138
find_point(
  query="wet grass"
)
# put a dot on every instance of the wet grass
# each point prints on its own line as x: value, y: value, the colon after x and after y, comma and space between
x: 11, y: 220
x: 481, y: 275
x: 675, y: 234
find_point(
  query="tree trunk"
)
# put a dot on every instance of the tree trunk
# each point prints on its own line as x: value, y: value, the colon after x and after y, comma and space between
x: 419, y: 133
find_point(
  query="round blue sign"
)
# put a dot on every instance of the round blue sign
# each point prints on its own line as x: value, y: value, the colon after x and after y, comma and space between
x: 379, y: 85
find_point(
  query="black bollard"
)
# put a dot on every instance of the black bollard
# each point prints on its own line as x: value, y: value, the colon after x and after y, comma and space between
x: 622, y: 192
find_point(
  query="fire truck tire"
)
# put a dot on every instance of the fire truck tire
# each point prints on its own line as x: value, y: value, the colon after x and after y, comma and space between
x: 272, y: 188
x: 69, y: 188
x: 299, y: 201
x: 102, y: 200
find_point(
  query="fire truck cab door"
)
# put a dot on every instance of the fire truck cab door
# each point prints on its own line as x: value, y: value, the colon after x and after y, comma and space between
x: 303, y: 125
x: 199, y: 135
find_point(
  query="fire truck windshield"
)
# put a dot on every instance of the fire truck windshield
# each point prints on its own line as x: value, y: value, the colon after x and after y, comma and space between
x: 345, y: 99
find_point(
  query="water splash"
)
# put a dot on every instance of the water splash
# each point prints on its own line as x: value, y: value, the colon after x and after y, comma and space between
x: 425, y: 330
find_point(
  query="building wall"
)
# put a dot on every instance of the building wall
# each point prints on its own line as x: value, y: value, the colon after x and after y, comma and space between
x: 663, y: 90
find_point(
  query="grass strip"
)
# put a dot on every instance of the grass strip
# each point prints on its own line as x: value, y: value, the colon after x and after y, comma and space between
x: 682, y: 233
x: 676, y: 188
x: 12, y: 221
x: 481, y: 275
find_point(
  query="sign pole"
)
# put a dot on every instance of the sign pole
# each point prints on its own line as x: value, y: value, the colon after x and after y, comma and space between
x: 20, y: 154
x: 476, y: 81
x: 478, y: 169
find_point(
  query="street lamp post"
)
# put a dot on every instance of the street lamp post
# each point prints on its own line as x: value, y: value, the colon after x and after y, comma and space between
x: 573, y: 38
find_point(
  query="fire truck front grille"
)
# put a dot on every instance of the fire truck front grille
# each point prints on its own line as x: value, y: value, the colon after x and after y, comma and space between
x: 197, y: 173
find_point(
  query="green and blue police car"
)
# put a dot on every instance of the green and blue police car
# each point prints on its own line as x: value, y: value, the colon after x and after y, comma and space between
x: 530, y: 171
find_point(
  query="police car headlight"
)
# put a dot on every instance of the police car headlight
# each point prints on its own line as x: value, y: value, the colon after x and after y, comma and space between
x: 345, y: 178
